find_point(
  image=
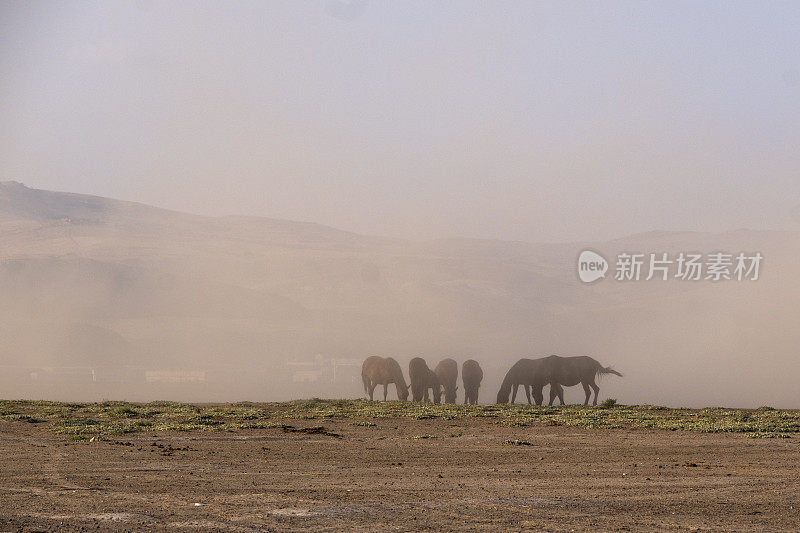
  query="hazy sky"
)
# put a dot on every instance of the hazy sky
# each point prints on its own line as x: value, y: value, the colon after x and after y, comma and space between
x: 515, y: 120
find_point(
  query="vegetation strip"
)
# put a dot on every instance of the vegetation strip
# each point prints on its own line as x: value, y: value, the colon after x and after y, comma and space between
x: 80, y: 420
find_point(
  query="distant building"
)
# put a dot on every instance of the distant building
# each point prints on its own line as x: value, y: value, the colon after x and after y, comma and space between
x: 326, y: 370
x: 306, y: 376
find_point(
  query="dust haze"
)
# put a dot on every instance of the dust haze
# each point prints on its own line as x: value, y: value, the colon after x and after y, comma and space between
x: 108, y: 299
x: 258, y: 198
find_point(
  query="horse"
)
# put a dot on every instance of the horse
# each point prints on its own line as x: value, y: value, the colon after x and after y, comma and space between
x: 447, y: 373
x: 422, y: 378
x: 569, y: 371
x: 382, y: 371
x: 524, y: 372
x: 471, y: 376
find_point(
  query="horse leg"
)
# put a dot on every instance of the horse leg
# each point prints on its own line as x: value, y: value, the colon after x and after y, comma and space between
x: 366, y: 381
x: 586, y: 390
x: 596, y: 391
x: 538, y: 397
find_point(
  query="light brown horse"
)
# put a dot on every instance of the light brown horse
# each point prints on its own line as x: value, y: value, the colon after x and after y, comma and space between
x: 569, y: 371
x: 447, y: 373
x: 422, y: 378
x: 471, y: 376
x: 382, y: 371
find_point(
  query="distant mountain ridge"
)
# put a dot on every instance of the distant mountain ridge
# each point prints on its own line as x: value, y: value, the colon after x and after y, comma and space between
x: 17, y: 201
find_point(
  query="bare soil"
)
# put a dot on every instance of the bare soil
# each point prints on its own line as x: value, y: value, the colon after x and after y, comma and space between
x: 403, y: 475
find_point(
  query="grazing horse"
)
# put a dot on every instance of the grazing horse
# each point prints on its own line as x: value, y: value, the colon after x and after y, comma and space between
x: 533, y: 375
x: 382, y: 371
x: 524, y: 372
x: 422, y: 378
x: 471, y: 375
x: 569, y: 371
x: 447, y: 373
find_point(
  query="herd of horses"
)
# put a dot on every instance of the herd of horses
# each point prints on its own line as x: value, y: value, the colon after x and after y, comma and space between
x: 532, y: 374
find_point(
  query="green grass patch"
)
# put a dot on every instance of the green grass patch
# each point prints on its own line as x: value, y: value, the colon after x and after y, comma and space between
x: 124, y: 417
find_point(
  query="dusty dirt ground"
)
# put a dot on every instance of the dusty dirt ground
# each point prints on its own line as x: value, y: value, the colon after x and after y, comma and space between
x: 464, y: 476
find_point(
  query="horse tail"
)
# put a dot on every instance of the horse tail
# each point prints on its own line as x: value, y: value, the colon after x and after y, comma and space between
x: 607, y: 370
x: 366, y: 381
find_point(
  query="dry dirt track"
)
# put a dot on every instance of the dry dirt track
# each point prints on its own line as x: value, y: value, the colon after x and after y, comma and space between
x: 382, y: 478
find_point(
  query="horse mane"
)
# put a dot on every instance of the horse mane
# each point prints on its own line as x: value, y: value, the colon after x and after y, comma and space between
x: 397, y: 375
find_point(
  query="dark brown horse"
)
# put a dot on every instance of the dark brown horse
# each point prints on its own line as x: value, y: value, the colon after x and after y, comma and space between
x: 533, y: 375
x: 569, y: 371
x: 382, y: 371
x: 422, y: 378
x: 447, y: 373
x: 524, y: 372
x: 471, y: 376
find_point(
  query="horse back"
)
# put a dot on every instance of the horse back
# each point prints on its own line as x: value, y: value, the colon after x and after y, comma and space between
x: 471, y: 372
x: 380, y: 369
x: 447, y: 372
x: 569, y: 371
